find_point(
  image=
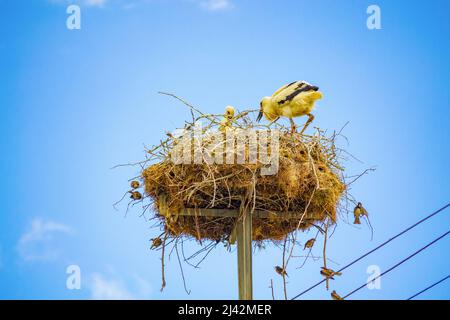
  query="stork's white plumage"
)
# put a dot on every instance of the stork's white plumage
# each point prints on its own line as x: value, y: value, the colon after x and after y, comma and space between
x: 292, y: 100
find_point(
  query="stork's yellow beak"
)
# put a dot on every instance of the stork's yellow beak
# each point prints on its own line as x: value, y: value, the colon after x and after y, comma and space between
x: 260, y: 114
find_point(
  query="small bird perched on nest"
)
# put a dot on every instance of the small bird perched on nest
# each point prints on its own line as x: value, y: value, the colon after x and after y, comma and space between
x: 156, y: 243
x: 227, y: 118
x: 134, y: 184
x: 292, y: 100
x: 135, y: 195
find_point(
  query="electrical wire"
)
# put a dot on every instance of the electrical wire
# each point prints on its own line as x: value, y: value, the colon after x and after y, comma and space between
x: 428, y: 288
x: 398, y: 264
x: 375, y: 249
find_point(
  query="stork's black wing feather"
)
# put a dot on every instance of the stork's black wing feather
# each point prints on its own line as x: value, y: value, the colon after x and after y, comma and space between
x: 302, y: 87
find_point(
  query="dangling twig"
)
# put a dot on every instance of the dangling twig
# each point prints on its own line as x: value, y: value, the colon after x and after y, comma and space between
x: 370, y: 226
x: 271, y: 288
x: 284, y: 268
x: 181, y: 269
x: 309, y: 251
x: 163, y: 277
x: 325, y: 253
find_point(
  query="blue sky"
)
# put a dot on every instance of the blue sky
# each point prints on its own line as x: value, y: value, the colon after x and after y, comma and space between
x: 73, y: 103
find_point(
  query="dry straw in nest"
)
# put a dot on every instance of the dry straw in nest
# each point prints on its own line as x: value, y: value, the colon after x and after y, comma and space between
x: 304, y: 190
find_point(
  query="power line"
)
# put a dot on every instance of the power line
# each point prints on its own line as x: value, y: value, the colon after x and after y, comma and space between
x: 428, y: 288
x: 398, y: 264
x: 375, y: 249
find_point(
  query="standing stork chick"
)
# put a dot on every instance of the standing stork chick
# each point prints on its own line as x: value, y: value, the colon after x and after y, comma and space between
x: 292, y: 100
x: 227, y: 118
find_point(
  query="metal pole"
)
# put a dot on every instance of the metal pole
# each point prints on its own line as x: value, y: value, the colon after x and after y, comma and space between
x: 244, y: 243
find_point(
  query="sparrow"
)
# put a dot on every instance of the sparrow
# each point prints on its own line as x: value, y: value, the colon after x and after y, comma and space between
x: 329, y: 273
x: 156, y: 242
x: 310, y: 243
x: 335, y: 296
x: 136, y: 195
x: 134, y: 184
x: 281, y: 271
x: 358, y: 212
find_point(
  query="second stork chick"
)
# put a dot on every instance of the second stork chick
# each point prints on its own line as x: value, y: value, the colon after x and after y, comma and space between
x: 227, y: 119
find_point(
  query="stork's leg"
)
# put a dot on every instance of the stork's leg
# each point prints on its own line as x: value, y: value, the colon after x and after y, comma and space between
x: 293, y: 126
x: 273, y: 121
x: 310, y: 119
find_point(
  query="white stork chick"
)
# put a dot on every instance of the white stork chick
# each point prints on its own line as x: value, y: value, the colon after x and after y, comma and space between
x: 292, y: 100
x: 227, y: 118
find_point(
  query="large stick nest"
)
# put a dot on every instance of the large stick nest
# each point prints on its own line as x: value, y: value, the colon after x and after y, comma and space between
x: 304, y: 192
